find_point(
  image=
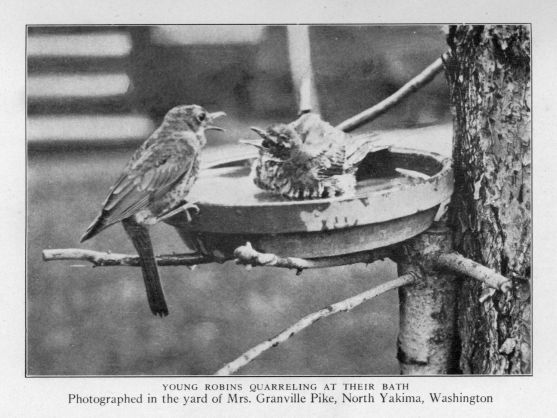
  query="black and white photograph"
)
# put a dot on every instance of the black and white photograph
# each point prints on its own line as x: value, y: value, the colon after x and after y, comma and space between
x: 279, y: 200
x: 261, y: 208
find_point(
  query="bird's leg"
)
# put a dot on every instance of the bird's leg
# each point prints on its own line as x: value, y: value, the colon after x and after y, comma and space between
x: 190, y: 206
x: 186, y: 207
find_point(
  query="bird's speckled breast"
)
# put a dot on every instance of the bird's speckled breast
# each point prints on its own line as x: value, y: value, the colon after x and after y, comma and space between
x: 177, y: 195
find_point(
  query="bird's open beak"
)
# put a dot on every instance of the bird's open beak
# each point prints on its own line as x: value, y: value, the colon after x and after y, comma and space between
x: 253, y: 142
x: 212, y: 117
x: 215, y: 115
x: 259, y: 132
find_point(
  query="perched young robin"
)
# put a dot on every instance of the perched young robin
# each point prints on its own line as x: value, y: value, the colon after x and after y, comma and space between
x: 154, y: 186
x: 309, y: 158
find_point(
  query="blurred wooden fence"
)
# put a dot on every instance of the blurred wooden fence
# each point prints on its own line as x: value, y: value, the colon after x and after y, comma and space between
x: 111, y: 85
x: 79, y: 87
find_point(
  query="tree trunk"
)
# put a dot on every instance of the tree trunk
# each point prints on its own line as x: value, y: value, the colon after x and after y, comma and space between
x: 426, y: 339
x: 490, y: 213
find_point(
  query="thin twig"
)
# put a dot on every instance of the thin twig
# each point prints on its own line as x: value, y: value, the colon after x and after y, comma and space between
x: 413, y: 85
x: 99, y: 258
x: 246, y: 255
x: 342, y: 306
x: 460, y: 264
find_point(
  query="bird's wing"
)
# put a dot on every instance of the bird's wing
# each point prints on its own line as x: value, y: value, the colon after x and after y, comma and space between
x: 331, y: 161
x: 359, y: 146
x: 149, y: 175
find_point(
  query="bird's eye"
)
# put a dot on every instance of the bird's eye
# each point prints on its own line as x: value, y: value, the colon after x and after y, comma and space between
x: 201, y: 117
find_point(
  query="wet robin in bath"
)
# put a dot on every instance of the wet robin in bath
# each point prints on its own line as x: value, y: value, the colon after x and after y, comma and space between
x: 154, y: 186
x: 309, y: 158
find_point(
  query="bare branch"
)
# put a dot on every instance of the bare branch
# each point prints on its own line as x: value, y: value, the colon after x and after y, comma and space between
x: 246, y: 255
x: 99, y: 258
x: 413, y: 85
x: 343, y: 306
x: 460, y: 264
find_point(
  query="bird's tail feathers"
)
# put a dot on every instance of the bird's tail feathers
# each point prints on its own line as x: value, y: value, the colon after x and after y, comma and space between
x: 141, y: 240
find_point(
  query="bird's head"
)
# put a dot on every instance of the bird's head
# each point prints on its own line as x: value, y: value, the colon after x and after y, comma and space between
x: 279, y: 140
x: 284, y: 135
x: 192, y: 117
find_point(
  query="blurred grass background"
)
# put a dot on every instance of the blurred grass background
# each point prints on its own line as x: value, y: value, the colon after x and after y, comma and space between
x: 84, y: 321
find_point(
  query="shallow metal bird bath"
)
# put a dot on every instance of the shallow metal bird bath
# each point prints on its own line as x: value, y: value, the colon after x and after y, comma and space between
x: 397, y: 197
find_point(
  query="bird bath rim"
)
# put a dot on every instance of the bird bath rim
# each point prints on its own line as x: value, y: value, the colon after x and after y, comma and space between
x: 318, y: 227
x: 231, y: 204
x: 445, y: 164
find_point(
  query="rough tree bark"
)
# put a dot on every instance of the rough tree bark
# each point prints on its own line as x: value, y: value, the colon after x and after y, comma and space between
x: 490, y: 214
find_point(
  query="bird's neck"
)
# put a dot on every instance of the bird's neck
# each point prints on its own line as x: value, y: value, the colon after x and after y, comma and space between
x: 184, y: 134
x: 201, y: 138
